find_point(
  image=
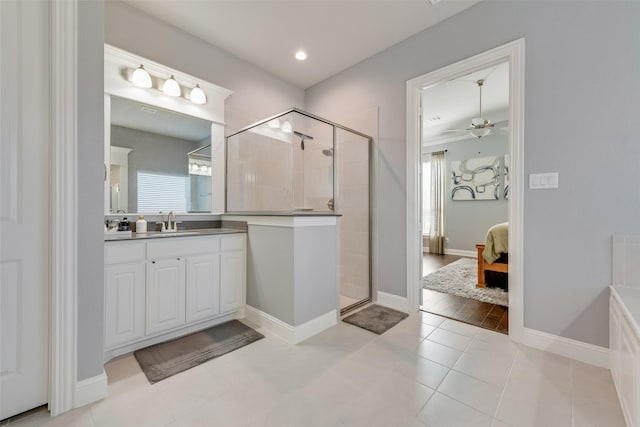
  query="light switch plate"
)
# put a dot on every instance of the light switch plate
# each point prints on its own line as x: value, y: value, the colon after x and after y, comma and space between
x: 540, y: 181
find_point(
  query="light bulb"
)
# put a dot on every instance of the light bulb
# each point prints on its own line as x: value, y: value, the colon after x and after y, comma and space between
x: 301, y: 55
x: 480, y: 132
x: 286, y: 127
x: 275, y: 123
x: 171, y: 87
x: 198, y: 96
x: 141, y: 78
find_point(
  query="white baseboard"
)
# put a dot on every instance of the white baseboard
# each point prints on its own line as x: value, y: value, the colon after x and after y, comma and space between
x: 460, y: 252
x: 392, y: 301
x: 90, y: 390
x: 291, y: 334
x: 578, y: 350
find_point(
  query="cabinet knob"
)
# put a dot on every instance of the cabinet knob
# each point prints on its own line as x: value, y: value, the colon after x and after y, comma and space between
x: 178, y: 259
x: 153, y: 262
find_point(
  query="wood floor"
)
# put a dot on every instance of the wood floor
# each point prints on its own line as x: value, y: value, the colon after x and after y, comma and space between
x: 485, y: 315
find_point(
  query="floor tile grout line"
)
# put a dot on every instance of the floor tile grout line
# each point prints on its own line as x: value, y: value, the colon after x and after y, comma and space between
x: 506, y: 383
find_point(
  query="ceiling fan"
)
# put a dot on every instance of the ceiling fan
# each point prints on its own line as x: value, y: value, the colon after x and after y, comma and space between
x: 479, y: 126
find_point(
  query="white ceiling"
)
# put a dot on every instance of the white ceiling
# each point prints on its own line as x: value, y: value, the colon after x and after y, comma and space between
x: 452, y: 104
x: 335, y: 34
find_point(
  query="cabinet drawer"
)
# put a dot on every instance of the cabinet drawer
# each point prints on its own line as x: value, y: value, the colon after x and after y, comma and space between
x: 179, y: 247
x: 233, y: 243
x: 123, y: 252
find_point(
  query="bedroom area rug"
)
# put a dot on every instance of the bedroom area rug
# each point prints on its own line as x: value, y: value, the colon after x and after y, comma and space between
x: 376, y: 318
x: 163, y: 360
x: 460, y: 278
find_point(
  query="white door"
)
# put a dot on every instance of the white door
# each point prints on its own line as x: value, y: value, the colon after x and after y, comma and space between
x: 165, y: 295
x: 203, y: 286
x: 24, y: 206
x: 124, y: 296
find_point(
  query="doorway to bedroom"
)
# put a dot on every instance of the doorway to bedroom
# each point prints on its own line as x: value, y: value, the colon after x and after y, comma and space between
x: 513, y: 54
x: 464, y: 154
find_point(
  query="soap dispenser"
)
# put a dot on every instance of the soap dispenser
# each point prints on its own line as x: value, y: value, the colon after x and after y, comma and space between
x: 141, y: 225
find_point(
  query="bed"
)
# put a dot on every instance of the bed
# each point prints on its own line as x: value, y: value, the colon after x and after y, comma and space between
x: 493, y: 254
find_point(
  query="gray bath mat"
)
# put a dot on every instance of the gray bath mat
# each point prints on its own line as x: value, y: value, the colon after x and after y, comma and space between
x: 376, y: 318
x: 163, y: 360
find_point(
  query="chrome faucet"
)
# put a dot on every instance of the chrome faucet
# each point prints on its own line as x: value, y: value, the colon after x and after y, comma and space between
x: 170, y: 226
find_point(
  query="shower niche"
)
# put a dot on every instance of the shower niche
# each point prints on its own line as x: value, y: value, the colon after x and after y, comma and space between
x: 298, y: 164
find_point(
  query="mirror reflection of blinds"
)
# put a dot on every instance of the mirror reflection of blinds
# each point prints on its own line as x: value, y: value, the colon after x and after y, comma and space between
x: 426, y: 197
x: 162, y: 193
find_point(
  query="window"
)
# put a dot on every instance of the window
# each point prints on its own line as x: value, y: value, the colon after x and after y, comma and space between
x: 426, y: 196
x: 162, y: 193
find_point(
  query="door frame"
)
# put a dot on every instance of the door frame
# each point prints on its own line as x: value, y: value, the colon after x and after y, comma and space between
x: 63, y: 206
x: 513, y: 53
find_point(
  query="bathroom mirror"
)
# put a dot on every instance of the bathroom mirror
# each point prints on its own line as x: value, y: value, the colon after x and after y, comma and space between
x: 160, y: 160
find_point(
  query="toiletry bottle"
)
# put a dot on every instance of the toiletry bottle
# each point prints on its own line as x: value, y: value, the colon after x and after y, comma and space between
x: 141, y: 225
x: 124, y: 225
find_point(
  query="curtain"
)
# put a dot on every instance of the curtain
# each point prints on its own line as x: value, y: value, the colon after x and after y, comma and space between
x: 436, y: 226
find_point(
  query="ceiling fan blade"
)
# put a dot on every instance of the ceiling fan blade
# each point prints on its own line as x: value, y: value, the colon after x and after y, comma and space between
x: 454, y: 130
x: 502, y: 123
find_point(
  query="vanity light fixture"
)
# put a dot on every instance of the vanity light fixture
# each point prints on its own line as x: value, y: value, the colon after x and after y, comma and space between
x: 171, y: 87
x: 274, y: 124
x: 198, y: 96
x: 141, y: 77
x: 286, y: 127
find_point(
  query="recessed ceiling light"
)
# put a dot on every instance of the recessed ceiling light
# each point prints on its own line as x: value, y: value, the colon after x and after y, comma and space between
x: 301, y: 55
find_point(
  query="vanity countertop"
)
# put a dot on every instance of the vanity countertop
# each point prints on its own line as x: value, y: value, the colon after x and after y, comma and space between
x: 180, y: 233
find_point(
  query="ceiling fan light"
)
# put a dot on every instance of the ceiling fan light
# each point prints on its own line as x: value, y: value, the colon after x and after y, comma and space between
x: 480, y: 132
x: 141, y: 77
x: 198, y: 96
x: 171, y: 87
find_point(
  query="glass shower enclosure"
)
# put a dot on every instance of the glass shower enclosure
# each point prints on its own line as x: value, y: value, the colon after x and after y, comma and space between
x: 296, y: 163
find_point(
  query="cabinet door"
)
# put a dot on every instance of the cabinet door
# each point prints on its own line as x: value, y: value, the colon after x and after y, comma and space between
x: 165, y: 294
x: 232, y: 280
x: 124, y: 303
x: 630, y: 350
x: 203, y: 286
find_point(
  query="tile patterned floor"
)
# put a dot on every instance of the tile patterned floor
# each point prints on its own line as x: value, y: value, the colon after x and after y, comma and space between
x: 426, y: 371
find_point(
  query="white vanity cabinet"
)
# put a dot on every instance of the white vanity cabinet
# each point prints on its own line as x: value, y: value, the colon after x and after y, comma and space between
x: 124, y: 281
x: 165, y: 294
x: 170, y: 287
x: 624, y: 343
x: 233, y: 270
x: 203, y: 286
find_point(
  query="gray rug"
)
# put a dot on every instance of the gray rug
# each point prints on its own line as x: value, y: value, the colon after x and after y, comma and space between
x: 376, y: 318
x: 460, y: 278
x: 163, y: 360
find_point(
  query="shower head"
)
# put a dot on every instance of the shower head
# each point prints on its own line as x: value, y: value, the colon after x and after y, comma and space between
x: 328, y: 152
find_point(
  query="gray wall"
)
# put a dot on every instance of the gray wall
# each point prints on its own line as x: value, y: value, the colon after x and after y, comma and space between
x: 467, y: 222
x: 316, y: 272
x: 292, y: 272
x: 152, y: 153
x: 257, y: 93
x: 270, y: 272
x: 581, y: 105
x: 90, y: 92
